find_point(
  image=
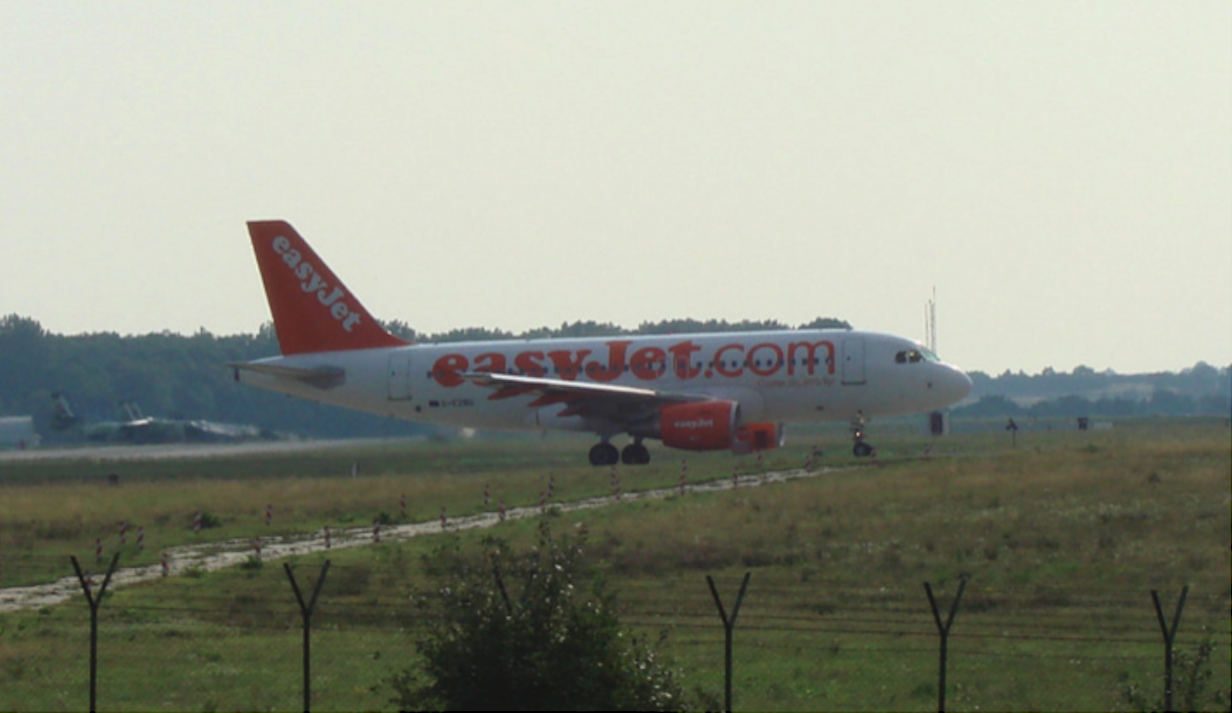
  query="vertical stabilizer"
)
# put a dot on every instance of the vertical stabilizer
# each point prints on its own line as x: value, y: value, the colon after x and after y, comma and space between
x: 312, y: 310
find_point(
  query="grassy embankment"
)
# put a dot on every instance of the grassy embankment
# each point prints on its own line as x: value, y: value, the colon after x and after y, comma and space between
x: 1062, y: 539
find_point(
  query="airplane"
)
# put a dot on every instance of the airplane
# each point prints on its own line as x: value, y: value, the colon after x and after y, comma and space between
x: 137, y: 428
x: 695, y: 392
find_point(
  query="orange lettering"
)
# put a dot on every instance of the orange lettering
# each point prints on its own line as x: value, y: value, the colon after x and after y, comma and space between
x: 772, y: 365
x: 530, y: 363
x: 615, y: 362
x: 495, y: 362
x: 567, y: 363
x: 810, y: 355
x: 645, y: 362
x: 447, y: 371
x: 682, y: 355
x: 720, y: 363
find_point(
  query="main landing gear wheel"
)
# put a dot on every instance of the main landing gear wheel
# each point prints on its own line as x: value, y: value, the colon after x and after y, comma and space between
x: 635, y: 454
x: 604, y: 454
x: 862, y: 449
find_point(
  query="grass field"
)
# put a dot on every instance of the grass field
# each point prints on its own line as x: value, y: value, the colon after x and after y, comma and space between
x: 1062, y: 540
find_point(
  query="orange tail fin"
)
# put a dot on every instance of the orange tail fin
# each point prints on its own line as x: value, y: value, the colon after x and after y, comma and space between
x: 313, y: 311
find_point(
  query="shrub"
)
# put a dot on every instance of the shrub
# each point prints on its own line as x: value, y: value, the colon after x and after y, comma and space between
x: 532, y: 631
x: 1191, y: 677
x: 208, y: 520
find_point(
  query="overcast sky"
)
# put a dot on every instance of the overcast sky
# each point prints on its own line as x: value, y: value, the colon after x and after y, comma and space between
x: 1061, y: 172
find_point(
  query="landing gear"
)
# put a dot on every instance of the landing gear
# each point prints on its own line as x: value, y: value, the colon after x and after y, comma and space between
x: 861, y: 449
x: 635, y: 454
x: 604, y: 454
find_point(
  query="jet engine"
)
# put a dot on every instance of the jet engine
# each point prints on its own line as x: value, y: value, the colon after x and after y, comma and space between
x: 712, y: 426
x: 755, y: 437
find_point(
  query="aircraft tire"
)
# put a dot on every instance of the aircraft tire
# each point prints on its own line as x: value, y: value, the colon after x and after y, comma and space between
x: 862, y: 450
x: 604, y: 454
x: 635, y: 454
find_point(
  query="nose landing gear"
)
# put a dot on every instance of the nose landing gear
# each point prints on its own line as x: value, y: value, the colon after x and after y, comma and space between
x: 861, y: 449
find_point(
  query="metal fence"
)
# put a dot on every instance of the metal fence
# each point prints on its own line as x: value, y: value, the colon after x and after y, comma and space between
x: 322, y: 637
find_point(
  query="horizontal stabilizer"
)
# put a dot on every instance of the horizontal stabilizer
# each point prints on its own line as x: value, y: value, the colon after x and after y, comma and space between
x: 321, y: 377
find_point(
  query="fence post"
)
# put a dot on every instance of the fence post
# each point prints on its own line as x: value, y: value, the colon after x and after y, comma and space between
x: 944, y: 630
x: 306, y: 613
x: 1169, y: 632
x: 94, y: 604
x: 728, y: 626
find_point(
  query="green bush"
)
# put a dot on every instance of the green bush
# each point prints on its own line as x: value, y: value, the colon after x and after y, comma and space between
x: 208, y: 520
x: 1191, y: 678
x: 530, y: 631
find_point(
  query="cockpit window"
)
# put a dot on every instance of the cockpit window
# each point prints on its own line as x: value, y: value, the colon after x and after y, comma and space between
x: 914, y: 356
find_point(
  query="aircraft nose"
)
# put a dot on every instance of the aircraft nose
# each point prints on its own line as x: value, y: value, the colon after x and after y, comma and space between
x: 952, y: 384
x: 967, y: 384
x: 959, y: 383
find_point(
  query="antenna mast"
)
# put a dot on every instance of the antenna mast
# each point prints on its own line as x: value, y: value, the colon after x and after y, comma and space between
x: 930, y: 323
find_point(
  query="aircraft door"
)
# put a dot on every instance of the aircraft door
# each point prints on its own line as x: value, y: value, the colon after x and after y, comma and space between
x: 853, y: 360
x: 401, y: 367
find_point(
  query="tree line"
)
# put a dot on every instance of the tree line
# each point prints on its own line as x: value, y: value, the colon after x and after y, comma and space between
x: 1201, y: 390
x: 186, y: 377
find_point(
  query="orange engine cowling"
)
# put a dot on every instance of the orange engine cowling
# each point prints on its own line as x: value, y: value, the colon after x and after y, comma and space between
x: 702, y: 426
x: 754, y: 437
x: 711, y: 426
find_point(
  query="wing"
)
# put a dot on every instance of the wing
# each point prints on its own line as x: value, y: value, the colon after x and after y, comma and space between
x: 622, y: 405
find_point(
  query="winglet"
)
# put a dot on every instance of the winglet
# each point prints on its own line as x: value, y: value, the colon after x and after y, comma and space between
x: 313, y: 311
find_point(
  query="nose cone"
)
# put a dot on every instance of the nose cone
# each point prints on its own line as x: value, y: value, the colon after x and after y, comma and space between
x: 951, y: 385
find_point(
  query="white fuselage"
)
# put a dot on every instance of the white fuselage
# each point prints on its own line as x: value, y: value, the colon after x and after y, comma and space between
x: 782, y: 376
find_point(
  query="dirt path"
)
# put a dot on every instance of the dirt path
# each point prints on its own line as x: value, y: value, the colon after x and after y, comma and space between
x: 183, y: 451
x: 219, y: 555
